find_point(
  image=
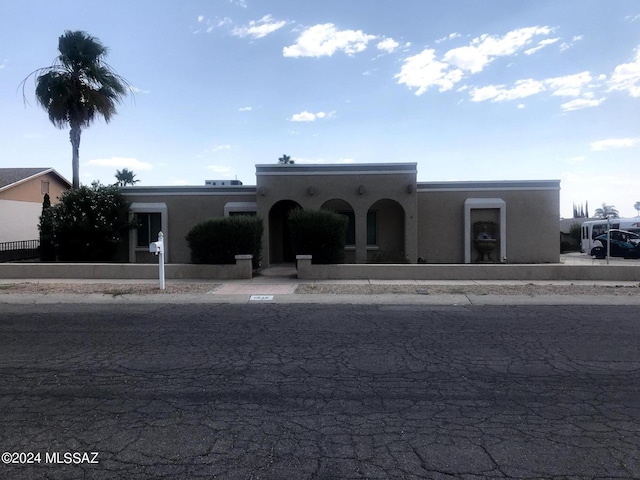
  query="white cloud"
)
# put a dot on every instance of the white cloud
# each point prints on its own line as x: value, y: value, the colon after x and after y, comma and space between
x: 580, y: 103
x: 541, y: 45
x: 569, y: 85
x: 388, y: 45
x: 259, y: 28
x: 626, y: 77
x: 310, y: 117
x: 209, y: 25
x: 217, y: 148
x: 239, y: 3
x: 612, y: 143
x: 120, y: 162
x: 138, y: 90
x: 245, y: 109
x: 448, y: 37
x: 484, y: 49
x: 325, y: 40
x: 499, y: 93
x: 425, y: 70
x: 422, y: 71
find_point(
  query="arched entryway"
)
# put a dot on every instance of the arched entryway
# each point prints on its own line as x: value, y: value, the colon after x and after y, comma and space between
x: 343, y: 207
x: 386, y: 232
x: 280, y: 250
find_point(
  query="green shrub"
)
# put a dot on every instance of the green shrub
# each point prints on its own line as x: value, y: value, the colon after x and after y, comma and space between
x: 47, y: 234
x: 88, y: 223
x: 319, y: 233
x: 219, y: 240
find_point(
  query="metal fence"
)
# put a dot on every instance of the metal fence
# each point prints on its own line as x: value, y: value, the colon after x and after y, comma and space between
x: 19, y: 250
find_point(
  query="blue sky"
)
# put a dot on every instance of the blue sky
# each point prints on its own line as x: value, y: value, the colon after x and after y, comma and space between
x: 470, y: 90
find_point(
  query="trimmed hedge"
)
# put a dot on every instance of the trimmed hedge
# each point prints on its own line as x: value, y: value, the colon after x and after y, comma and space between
x: 320, y: 233
x: 219, y: 240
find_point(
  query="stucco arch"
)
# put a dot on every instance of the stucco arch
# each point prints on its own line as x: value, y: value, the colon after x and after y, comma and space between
x: 279, y: 239
x: 343, y: 207
x: 386, y: 232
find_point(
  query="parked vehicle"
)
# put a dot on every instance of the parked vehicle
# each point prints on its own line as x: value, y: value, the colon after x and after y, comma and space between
x: 623, y: 244
x: 594, y: 228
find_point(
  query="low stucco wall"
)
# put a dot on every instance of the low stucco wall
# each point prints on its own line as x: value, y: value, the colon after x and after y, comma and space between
x: 127, y: 271
x: 619, y: 273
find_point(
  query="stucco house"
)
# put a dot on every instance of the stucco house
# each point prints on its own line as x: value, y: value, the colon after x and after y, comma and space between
x: 22, y: 191
x: 392, y: 217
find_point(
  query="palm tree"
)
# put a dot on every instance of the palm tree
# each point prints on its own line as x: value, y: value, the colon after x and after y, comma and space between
x: 607, y: 211
x: 286, y: 160
x: 125, y: 177
x: 637, y: 207
x: 78, y: 87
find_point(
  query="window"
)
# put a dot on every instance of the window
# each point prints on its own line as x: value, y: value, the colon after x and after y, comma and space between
x: 242, y: 214
x: 149, y: 224
x: 350, y: 238
x: 44, y: 186
x: 372, y: 228
x: 240, y: 208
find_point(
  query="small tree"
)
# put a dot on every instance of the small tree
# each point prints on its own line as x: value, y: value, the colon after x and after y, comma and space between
x: 286, y: 160
x: 637, y: 207
x: 47, y: 245
x: 89, y: 223
x: 125, y: 177
x: 320, y: 233
x: 607, y: 211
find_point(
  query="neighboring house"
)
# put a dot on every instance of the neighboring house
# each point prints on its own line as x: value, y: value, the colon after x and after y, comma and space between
x: 392, y: 217
x: 21, y: 194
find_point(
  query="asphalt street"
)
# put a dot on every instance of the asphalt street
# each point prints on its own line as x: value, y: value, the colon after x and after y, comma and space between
x: 289, y: 391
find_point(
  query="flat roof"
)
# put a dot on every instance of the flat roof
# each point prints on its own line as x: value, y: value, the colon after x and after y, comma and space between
x: 335, y: 168
x: 489, y: 185
x: 189, y: 190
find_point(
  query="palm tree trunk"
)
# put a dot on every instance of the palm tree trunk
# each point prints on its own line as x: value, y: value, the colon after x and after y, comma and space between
x: 74, y: 136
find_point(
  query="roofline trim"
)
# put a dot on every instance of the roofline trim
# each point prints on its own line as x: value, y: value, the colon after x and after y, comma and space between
x: 506, y: 185
x: 35, y: 175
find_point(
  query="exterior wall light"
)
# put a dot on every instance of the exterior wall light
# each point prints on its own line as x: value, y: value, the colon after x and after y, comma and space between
x: 361, y: 190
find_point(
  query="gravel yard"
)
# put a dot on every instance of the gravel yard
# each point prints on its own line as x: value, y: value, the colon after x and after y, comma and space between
x: 106, y: 288
x: 528, y: 289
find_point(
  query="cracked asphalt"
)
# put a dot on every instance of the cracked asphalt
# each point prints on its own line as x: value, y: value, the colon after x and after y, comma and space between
x: 289, y: 391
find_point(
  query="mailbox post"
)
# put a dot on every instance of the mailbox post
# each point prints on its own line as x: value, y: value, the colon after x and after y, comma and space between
x: 158, y: 249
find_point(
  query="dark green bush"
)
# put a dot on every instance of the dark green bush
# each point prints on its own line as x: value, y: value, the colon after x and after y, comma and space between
x: 47, y: 234
x: 319, y: 233
x: 219, y: 240
x: 88, y: 223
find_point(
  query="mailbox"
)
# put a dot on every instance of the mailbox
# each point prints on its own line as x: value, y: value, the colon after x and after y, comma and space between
x: 157, y: 247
